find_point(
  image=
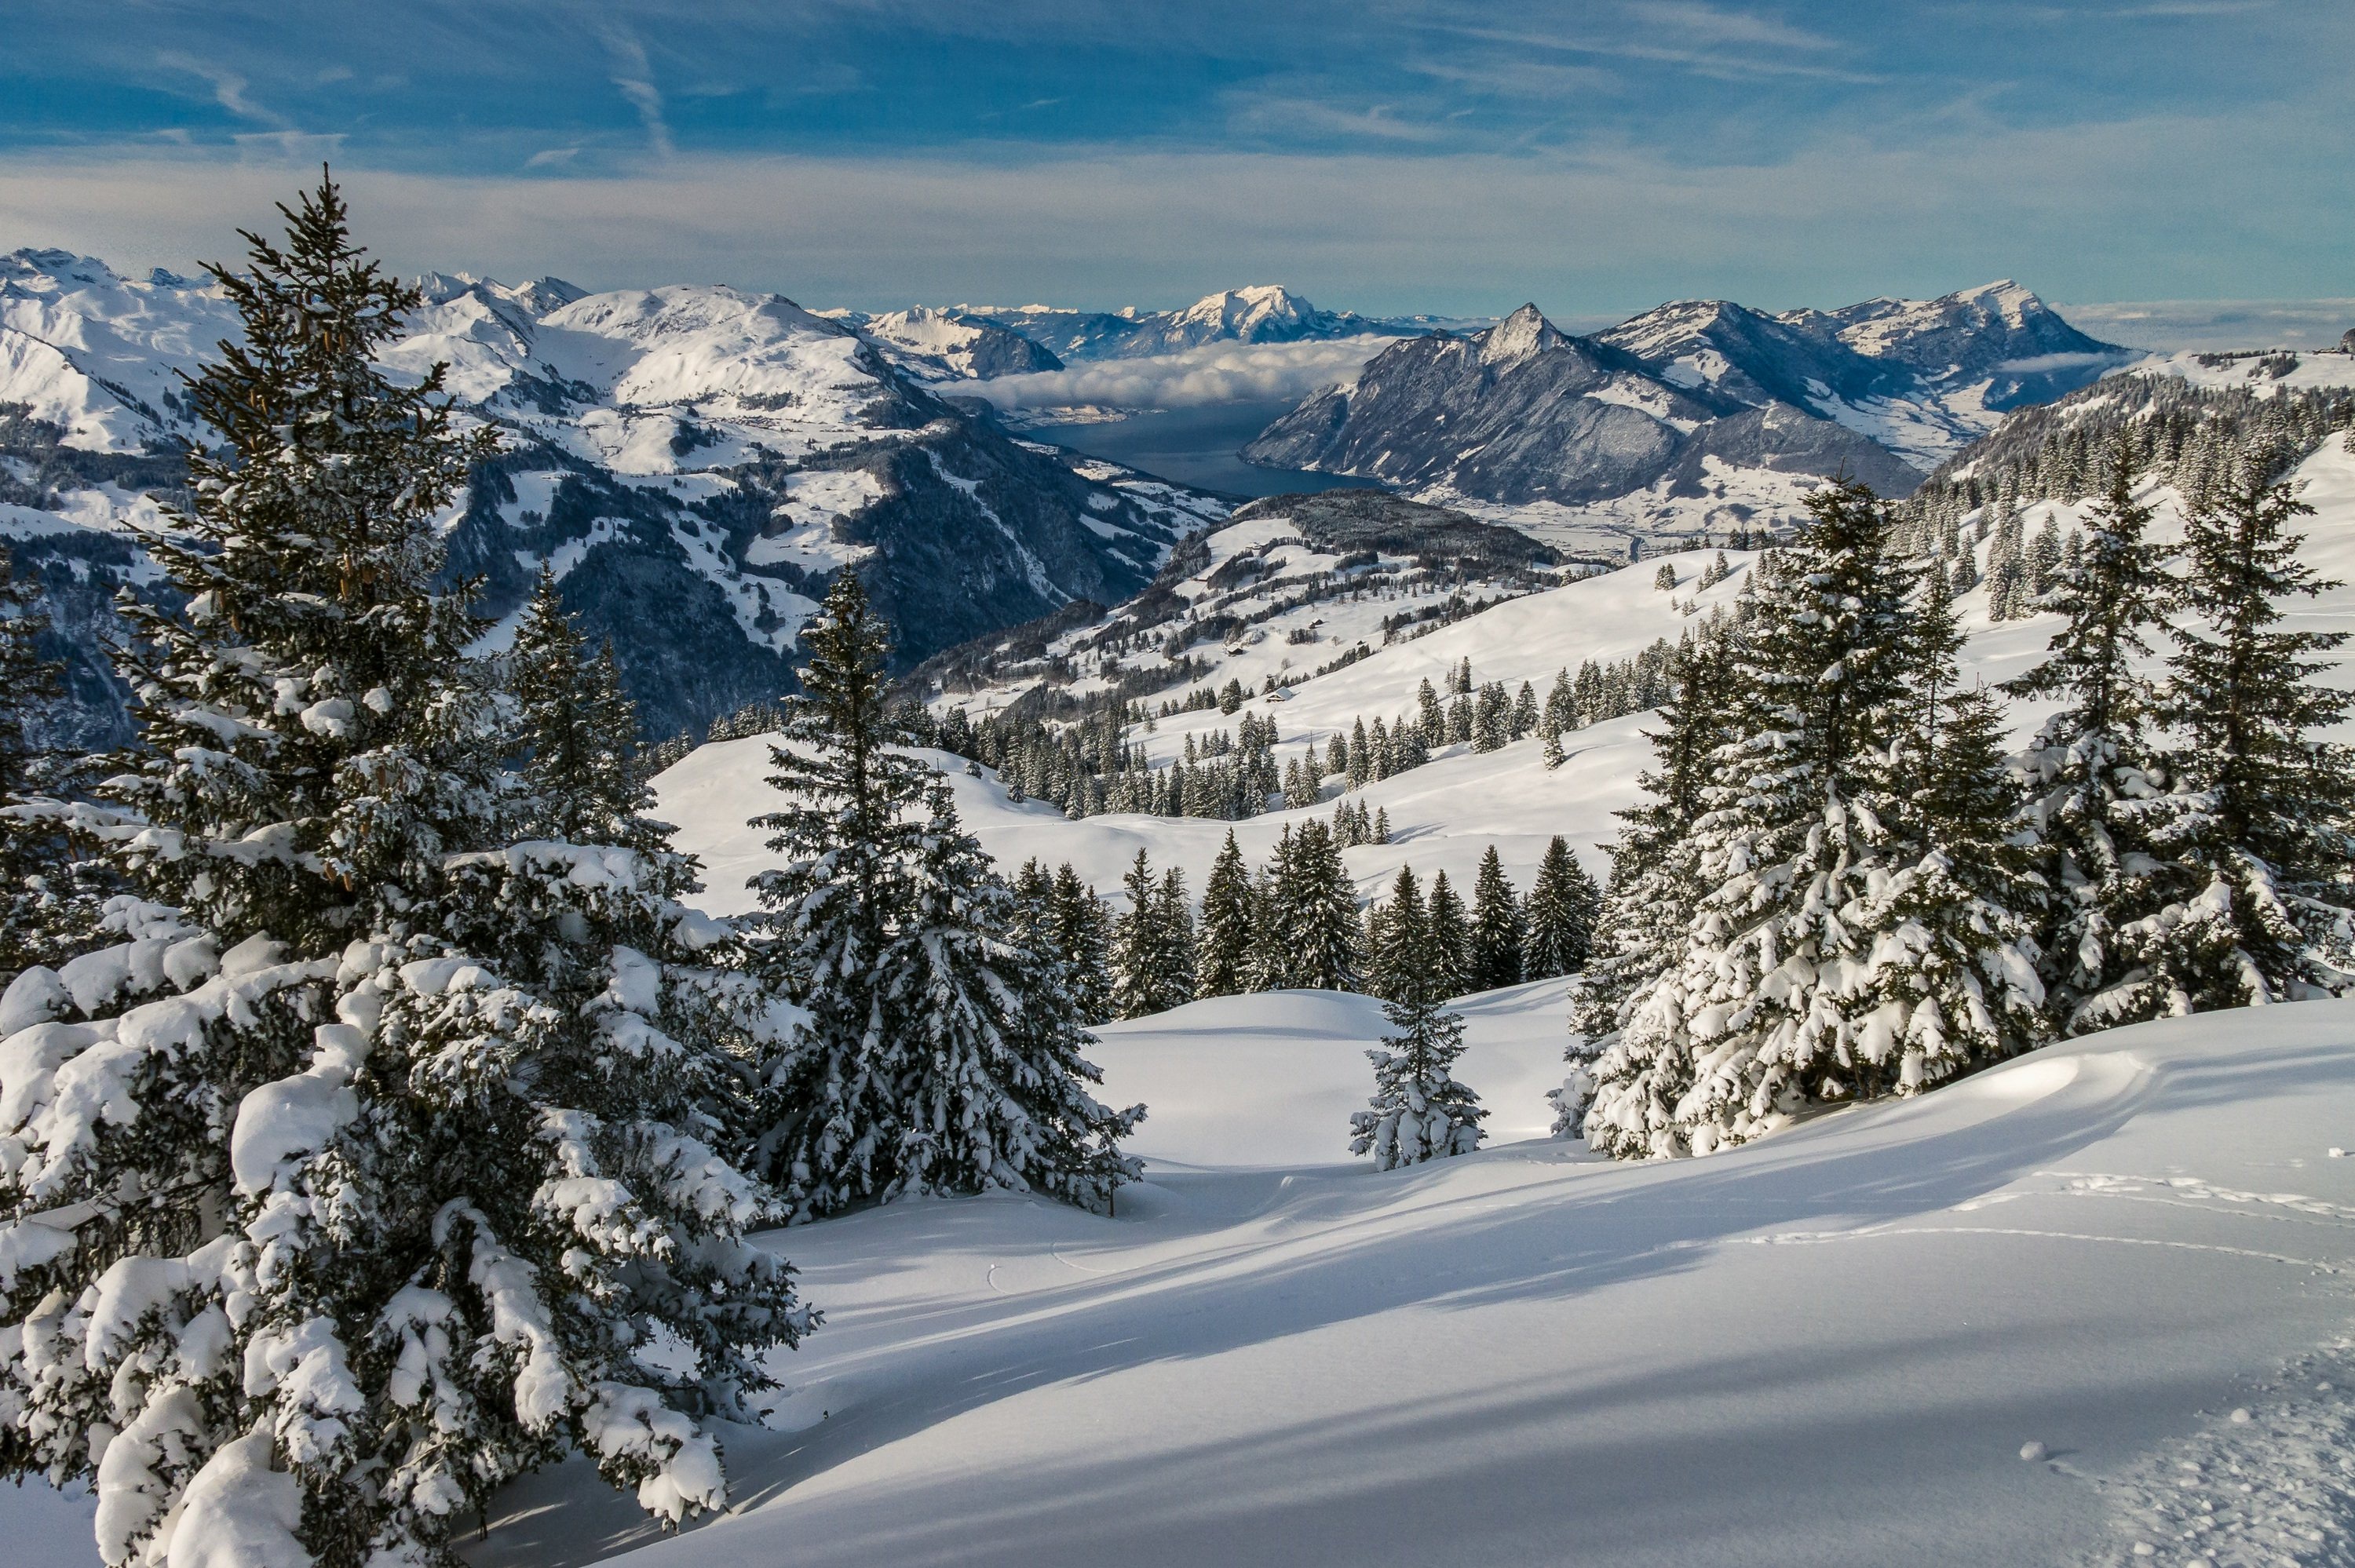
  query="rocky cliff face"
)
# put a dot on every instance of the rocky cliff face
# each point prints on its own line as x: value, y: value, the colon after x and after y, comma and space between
x: 1523, y: 413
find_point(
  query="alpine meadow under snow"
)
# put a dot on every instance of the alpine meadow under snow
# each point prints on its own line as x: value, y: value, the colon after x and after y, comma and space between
x: 1704, y: 1014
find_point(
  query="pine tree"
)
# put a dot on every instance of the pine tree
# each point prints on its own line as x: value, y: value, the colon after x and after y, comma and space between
x: 1310, y: 940
x: 1151, y: 944
x: 1136, y: 984
x: 1173, y: 914
x: 989, y: 1075
x: 413, y: 1133
x: 1775, y: 993
x: 2094, y: 780
x: 1448, y: 956
x: 1084, y: 935
x: 1034, y: 907
x: 1419, y: 1111
x: 1965, y: 911
x: 1525, y: 712
x: 581, y: 729
x: 2257, y: 822
x: 1655, y: 889
x: 849, y: 843
x: 1562, y: 906
x: 1397, y: 941
x: 1498, y: 927
x: 1224, y: 963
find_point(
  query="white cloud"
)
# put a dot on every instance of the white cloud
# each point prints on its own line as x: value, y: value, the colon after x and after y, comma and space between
x: 1214, y: 373
x: 2179, y: 326
x: 635, y: 81
x: 2171, y: 206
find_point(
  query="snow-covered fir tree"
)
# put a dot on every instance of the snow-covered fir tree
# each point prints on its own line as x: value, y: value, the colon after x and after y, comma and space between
x: 414, y: 1132
x: 1309, y: 935
x: 1419, y: 1111
x: 578, y: 725
x: 1799, y: 976
x: 2093, y: 778
x: 1654, y: 881
x: 2256, y: 826
x: 937, y: 1054
x: 988, y: 1076
x: 1562, y: 908
x: 1224, y: 961
x: 1151, y: 944
x: 849, y: 836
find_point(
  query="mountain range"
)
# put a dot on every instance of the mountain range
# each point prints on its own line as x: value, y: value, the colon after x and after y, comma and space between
x: 695, y: 462
x: 960, y: 342
x: 1677, y: 401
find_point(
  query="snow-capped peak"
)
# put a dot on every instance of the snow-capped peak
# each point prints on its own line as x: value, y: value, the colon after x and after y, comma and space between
x: 1516, y: 337
x: 1241, y: 312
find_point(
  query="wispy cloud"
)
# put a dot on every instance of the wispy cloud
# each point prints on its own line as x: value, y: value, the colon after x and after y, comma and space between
x: 634, y: 78
x: 1717, y: 25
x: 1259, y: 114
x: 229, y: 88
x: 1596, y: 231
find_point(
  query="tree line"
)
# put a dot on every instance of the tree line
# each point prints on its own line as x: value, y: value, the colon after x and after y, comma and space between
x: 1294, y: 924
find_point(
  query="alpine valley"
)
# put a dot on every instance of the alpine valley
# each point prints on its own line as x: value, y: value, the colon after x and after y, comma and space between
x: 1674, y: 976
x: 697, y: 463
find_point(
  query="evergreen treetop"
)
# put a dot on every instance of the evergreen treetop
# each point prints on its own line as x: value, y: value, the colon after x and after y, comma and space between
x: 1498, y: 927
x: 314, y: 733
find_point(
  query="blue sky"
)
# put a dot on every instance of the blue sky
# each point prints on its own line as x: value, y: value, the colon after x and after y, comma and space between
x: 1387, y: 155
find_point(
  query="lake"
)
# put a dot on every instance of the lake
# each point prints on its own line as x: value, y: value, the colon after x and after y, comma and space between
x: 1197, y: 447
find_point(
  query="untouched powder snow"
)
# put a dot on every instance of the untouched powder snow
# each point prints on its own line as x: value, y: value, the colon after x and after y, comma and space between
x: 1829, y: 1347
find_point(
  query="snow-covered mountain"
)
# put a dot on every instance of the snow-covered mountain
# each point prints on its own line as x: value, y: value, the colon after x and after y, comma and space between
x: 694, y: 461
x: 1691, y: 416
x: 1260, y: 314
x: 943, y: 346
x: 2086, y: 1302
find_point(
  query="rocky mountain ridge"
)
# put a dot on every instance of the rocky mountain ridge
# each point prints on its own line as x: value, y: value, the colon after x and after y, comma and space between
x: 1257, y: 314
x: 696, y: 463
x: 1680, y: 398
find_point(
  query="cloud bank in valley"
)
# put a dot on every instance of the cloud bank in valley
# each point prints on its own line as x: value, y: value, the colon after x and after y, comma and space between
x: 2175, y: 325
x: 1214, y: 373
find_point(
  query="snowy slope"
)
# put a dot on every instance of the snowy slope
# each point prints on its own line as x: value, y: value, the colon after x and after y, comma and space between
x: 1444, y: 815
x: 97, y: 354
x: 1826, y: 1348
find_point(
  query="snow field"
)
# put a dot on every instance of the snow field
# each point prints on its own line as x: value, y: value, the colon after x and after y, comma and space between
x: 1826, y: 1348
x: 1269, y: 1079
